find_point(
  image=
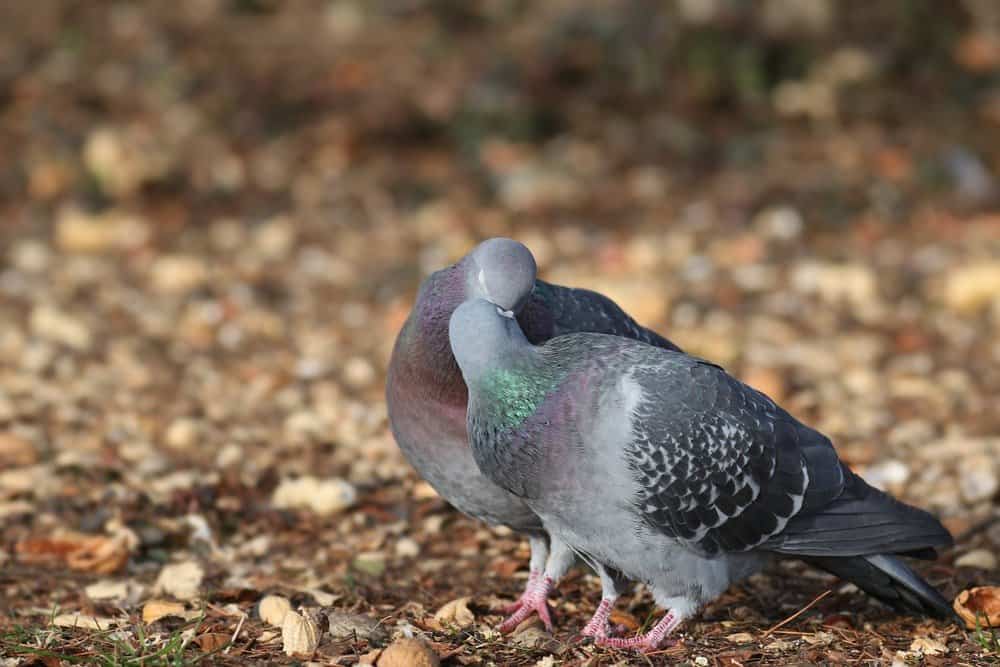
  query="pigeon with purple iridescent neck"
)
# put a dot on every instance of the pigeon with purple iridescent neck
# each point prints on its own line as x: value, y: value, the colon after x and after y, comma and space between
x: 427, y: 397
x: 670, y: 471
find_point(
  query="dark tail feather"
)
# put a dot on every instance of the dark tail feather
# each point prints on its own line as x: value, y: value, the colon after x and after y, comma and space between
x: 860, y: 522
x: 888, y: 579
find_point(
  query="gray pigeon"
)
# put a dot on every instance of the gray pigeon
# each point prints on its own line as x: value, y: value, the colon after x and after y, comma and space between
x: 667, y: 469
x: 427, y: 397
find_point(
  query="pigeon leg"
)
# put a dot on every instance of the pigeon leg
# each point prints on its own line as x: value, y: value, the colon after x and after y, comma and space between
x: 650, y: 641
x: 533, y: 578
x: 536, y: 597
x: 599, y: 627
x: 533, y: 598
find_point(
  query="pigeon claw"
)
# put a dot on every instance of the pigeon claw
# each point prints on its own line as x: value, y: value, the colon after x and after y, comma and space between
x: 649, y: 642
x: 535, y: 599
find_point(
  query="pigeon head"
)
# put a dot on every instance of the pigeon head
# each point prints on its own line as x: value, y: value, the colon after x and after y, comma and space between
x: 502, y: 271
x: 482, y: 336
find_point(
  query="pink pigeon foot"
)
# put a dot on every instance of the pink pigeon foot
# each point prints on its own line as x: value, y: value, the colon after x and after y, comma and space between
x: 534, y: 599
x: 648, y: 642
x: 517, y: 604
x: 598, y: 627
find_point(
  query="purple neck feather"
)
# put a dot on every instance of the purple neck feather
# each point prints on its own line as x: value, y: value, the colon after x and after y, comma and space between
x: 426, y: 357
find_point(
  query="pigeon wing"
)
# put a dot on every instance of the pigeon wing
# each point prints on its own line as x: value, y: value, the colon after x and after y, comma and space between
x: 554, y: 310
x: 720, y: 467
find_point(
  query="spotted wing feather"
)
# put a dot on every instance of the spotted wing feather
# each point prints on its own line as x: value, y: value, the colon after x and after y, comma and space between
x: 718, y: 464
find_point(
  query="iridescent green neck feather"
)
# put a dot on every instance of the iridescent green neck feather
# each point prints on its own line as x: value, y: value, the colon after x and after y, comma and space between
x: 510, y: 395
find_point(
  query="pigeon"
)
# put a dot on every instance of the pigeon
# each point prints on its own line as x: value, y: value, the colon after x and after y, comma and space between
x: 666, y: 469
x: 426, y: 396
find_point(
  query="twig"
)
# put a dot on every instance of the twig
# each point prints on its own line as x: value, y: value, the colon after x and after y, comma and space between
x: 798, y: 613
x: 239, y: 626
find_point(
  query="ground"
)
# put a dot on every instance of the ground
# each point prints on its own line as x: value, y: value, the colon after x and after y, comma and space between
x: 214, y: 216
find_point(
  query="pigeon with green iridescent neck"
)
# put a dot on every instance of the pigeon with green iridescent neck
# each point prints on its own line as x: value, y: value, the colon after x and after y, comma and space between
x: 673, y: 473
x: 427, y: 397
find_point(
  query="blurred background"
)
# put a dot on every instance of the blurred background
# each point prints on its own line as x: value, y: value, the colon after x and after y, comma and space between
x: 214, y: 215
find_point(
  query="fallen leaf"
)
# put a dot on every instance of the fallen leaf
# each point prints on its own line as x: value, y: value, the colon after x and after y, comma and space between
x: 740, y: 638
x: 322, y: 496
x: 323, y: 599
x: 181, y: 580
x: 299, y: 634
x: 456, y: 613
x: 979, y: 607
x: 928, y: 646
x: 114, y: 590
x: 83, y: 621
x: 212, y: 641
x: 345, y: 625
x: 154, y: 610
x: 625, y: 619
x: 100, y: 555
x: 87, y: 553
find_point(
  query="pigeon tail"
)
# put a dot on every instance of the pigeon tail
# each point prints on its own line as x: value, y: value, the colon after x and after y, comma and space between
x: 887, y: 578
x: 862, y: 521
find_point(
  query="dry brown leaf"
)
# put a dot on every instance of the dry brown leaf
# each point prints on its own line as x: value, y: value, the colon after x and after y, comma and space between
x: 979, y: 607
x: 740, y: 638
x: 456, y: 613
x: 273, y: 609
x: 299, y: 634
x: 100, y: 555
x: 407, y: 652
x: 154, y: 610
x: 625, y: 619
x: 87, y: 553
x: 212, y: 641
x: 928, y: 646
x: 114, y: 590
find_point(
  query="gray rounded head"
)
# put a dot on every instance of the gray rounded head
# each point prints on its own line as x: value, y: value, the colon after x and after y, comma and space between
x: 503, y: 272
x: 482, y: 334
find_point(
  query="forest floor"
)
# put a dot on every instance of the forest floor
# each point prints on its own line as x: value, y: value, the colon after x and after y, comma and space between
x: 213, y: 220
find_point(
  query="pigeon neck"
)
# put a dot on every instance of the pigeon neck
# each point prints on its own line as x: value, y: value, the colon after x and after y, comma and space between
x: 511, y: 393
x: 425, y: 336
